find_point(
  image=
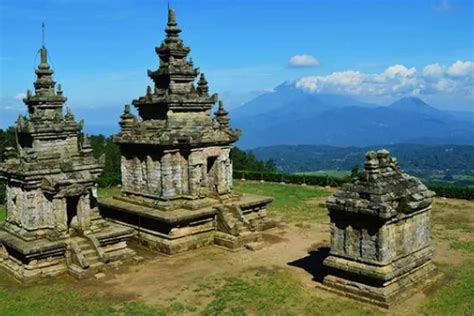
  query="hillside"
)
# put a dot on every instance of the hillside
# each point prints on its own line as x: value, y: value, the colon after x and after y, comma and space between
x: 291, y: 116
x: 428, y: 161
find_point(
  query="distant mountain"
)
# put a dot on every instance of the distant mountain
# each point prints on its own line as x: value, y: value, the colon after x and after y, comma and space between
x: 291, y: 116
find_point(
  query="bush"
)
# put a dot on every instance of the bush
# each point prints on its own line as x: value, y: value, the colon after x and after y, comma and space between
x: 451, y: 191
x: 291, y: 178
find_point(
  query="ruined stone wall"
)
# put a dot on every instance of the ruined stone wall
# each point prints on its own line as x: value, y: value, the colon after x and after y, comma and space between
x: 178, y: 172
x: 29, y: 209
x: 405, y: 236
x: 368, y: 240
x: 67, y: 146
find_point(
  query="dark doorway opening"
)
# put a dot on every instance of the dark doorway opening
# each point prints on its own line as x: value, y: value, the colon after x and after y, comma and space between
x: 211, y: 173
x: 71, y: 205
x: 210, y: 163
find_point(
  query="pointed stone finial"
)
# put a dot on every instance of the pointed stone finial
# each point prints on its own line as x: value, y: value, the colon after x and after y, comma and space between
x: 42, y: 34
x: 127, y: 119
x: 44, y: 57
x: 222, y: 116
x: 20, y: 122
x: 86, y: 144
x: 172, y: 30
x: 202, y: 88
x: 28, y: 94
x: 59, y: 90
x: 69, y: 116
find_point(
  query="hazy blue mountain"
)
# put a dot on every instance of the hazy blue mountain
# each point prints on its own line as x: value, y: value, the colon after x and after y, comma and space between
x: 287, y: 99
x: 292, y: 116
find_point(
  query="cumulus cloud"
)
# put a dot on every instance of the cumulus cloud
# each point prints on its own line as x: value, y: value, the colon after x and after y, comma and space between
x: 396, y: 81
x: 433, y: 71
x: 461, y: 69
x: 303, y: 61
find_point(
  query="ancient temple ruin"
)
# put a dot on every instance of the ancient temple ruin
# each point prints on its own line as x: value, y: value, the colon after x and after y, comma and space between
x: 176, y: 170
x: 380, y: 234
x: 52, y: 223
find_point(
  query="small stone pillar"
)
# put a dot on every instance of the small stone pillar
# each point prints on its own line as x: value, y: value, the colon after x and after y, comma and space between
x: 380, y: 234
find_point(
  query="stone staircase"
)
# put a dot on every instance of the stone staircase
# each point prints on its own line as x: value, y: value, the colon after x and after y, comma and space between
x: 234, y: 231
x: 231, y: 221
x: 84, y: 260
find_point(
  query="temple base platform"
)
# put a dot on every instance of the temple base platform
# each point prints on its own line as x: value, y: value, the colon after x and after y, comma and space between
x: 80, y: 254
x: 379, y: 292
x: 184, y: 225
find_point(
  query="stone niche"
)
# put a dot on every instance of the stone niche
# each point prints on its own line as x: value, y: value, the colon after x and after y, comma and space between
x: 176, y: 168
x: 380, y: 234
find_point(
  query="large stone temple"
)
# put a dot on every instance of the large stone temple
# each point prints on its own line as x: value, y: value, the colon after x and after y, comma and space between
x: 380, y: 234
x: 52, y: 223
x: 176, y: 170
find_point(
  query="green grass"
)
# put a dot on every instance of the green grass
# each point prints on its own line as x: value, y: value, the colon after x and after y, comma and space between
x: 292, y: 203
x: 456, y: 298
x: 274, y: 293
x: 467, y: 247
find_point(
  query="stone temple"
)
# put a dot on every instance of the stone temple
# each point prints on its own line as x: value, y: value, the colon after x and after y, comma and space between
x: 176, y: 170
x: 53, y: 224
x: 380, y: 234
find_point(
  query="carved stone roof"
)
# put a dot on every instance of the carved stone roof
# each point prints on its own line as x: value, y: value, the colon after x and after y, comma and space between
x: 381, y: 190
x: 175, y: 111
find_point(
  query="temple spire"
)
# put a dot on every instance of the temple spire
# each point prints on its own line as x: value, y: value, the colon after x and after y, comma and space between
x: 172, y: 30
x: 42, y: 34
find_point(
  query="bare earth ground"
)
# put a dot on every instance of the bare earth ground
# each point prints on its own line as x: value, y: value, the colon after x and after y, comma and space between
x: 195, y: 281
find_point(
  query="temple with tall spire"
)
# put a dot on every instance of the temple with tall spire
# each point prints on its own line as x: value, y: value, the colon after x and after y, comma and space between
x: 176, y: 167
x: 52, y: 220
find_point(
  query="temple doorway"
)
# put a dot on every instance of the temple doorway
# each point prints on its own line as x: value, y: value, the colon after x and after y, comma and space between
x: 72, y: 203
x: 212, y: 173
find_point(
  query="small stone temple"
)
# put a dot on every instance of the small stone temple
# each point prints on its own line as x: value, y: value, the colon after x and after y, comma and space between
x: 176, y: 170
x: 52, y: 223
x: 380, y: 234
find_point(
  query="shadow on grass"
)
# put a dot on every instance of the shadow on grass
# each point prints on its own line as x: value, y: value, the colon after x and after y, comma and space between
x: 313, y: 263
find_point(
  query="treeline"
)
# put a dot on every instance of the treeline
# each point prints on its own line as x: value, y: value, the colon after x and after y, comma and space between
x: 441, y: 190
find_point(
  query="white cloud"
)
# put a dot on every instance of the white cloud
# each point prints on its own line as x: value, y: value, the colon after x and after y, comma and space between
x: 443, y: 6
x: 396, y: 81
x: 20, y: 96
x: 461, y: 68
x: 399, y: 70
x: 433, y: 70
x: 303, y: 61
x: 444, y: 85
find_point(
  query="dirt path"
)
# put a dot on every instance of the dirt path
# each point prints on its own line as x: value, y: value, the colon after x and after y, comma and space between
x: 160, y: 280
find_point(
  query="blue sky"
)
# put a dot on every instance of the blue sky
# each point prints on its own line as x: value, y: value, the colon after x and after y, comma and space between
x: 375, y: 50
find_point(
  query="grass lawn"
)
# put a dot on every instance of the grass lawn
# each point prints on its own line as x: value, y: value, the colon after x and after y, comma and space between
x: 292, y: 203
x: 267, y: 290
